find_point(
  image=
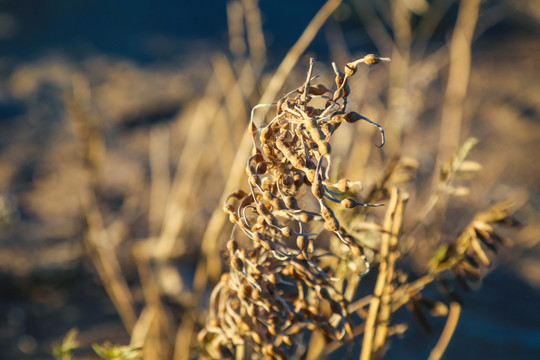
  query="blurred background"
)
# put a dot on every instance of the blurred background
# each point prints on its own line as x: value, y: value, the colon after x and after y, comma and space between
x: 120, y: 122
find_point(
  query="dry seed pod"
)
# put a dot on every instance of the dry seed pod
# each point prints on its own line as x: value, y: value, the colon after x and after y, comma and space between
x: 323, y: 292
x: 302, y: 242
x: 261, y: 168
x: 232, y: 246
x: 286, y: 231
x: 234, y: 218
x: 317, y: 189
x: 343, y: 185
x: 237, y: 264
x: 287, y: 181
x: 228, y: 208
x: 331, y: 223
x: 291, y: 203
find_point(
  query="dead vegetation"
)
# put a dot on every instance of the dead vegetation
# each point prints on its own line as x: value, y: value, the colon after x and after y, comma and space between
x: 156, y: 189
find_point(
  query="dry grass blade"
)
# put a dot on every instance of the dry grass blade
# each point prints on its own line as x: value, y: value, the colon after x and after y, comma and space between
x: 378, y: 319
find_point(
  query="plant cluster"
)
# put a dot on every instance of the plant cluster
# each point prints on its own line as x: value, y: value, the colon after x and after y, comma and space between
x: 274, y: 291
x: 288, y: 280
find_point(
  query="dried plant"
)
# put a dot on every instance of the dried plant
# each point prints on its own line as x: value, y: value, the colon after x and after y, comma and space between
x: 289, y: 280
x: 274, y: 292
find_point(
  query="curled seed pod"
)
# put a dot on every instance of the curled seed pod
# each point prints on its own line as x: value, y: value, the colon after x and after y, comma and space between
x: 348, y: 203
x: 259, y: 269
x: 287, y: 181
x: 238, y: 194
x: 328, y: 129
x: 256, y: 294
x: 305, y: 217
x: 287, y: 340
x: 228, y: 208
x: 256, y: 337
x: 317, y: 189
x: 257, y: 157
x: 310, y: 164
x: 254, y: 180
x: 264, y: 241
x: 295, y: 159
x: 268, y: 196
x: 291, y: 202
x: 335, y: 306
x: 350, y: 68
x: 278, y: 204
x: 356, y: 250
x: 343, y: 185
x: 232, y: 246
x: 237, y: 264
x: 266, y: 134
x: 234, y: 218
x: 302, y: 242
x: 352, y: 117
x: 286, y: 231
x: 274, y: 278
x: 268, y: 216
x: 261, y: 167
x: 323, y: 292
x: 339, y: 76
x: 318, y: 89
x: 324, y: 148
x: 299, y: 179
x: 310, y: 175
x: 311, y: 111
x: 372, y: 59
x: 245, y: 291
x: 330, y: 221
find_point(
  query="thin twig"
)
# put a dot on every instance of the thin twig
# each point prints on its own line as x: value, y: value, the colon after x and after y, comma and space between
x: 448, y: 332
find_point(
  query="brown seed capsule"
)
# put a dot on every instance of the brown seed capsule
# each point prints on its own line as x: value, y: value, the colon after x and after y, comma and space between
x: 232, y: 246
x: 327, y: 129
x: 261, y: 168
x: 357, y: 250
x: 324, y: 148
x: 371, y: 59
x: 350, y: 69
x: 274, y: 278
x: 318, y: 89
x: 291, y: 202
x: 278, y: 204
x: 256, y: 294
x: 305, y: 217
x: 344, y: 185
x: 348, y: 203
x: 335, y: 307
x: 287, y: 181
x: 233, y: 217
x: 331, y: 224
x: 237, y: 264
x: 302, y: 242
x: 323, y: 292
x: 245, y: 291
x: 286, y: 231
x: 287, y: 340
x: 317, y: 189
x: 228, y: 208
x: 256, y: 337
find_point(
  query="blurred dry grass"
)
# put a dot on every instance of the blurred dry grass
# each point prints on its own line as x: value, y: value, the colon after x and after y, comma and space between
x: 125, y: 166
